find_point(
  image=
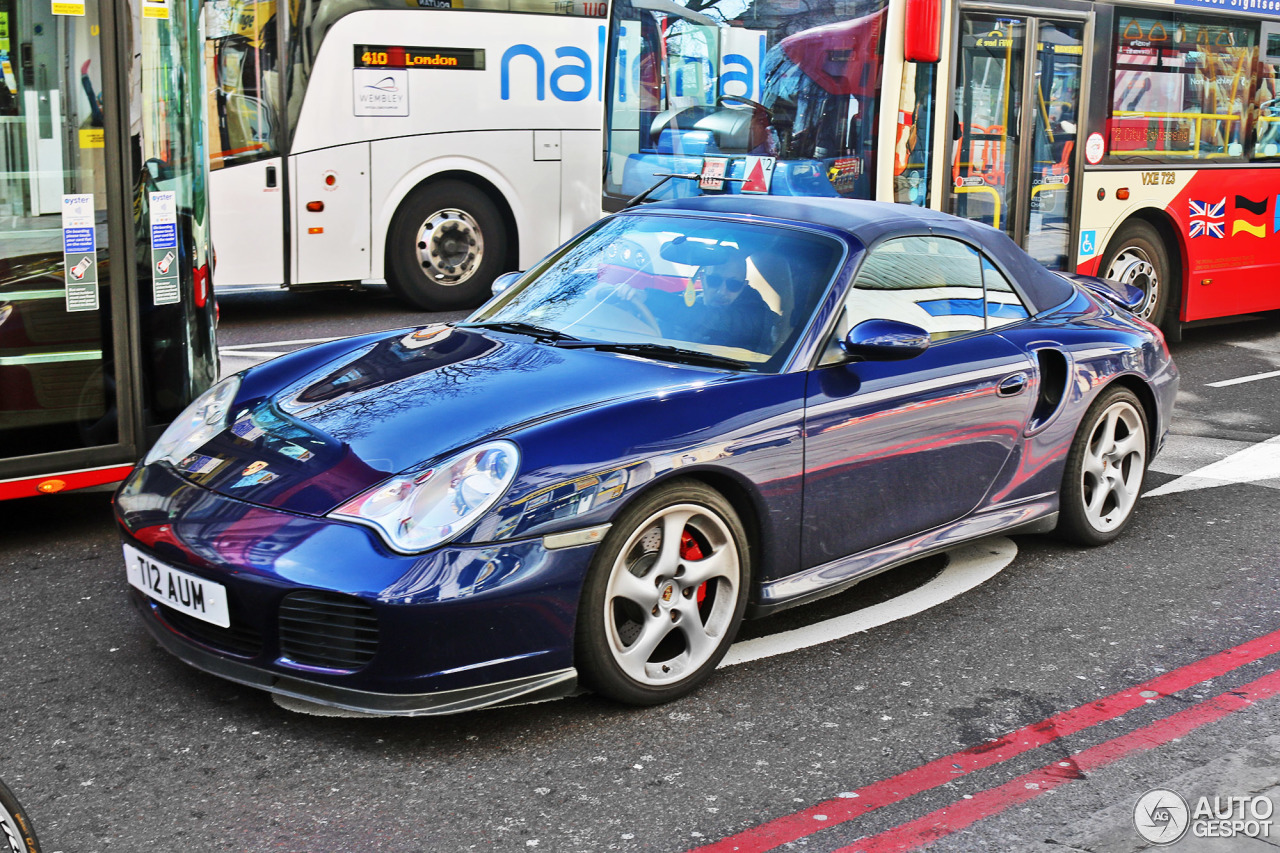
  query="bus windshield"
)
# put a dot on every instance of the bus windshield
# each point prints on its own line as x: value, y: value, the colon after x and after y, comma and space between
x: 728, y: 80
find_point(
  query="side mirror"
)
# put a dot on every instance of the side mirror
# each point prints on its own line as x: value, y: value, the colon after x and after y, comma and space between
x: 885, y: 340
x: 504, y: 281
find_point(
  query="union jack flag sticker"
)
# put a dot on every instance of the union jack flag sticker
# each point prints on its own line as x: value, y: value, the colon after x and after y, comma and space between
x: 1207, y: 218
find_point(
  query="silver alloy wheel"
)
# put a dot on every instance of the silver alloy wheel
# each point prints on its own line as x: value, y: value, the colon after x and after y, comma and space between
x: 1131, y: 265
x: 671, y: 594
x: 11, y: 834
x: 450, y: 246
x: 1113, y: 465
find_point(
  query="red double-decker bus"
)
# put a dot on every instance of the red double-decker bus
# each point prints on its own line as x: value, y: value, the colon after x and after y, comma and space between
x: 1138, y: 141
x: 106, y: 314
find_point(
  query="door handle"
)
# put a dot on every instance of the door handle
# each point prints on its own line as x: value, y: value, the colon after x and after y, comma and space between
x: 1012, y: 385
x: 271, y: 177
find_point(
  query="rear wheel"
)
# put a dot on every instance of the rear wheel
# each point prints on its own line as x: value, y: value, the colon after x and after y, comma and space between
x: 1105, y: 469
x: 16, y: 833
x: 1137, y: 256
x: 665, y: 595
x: 446, y: 245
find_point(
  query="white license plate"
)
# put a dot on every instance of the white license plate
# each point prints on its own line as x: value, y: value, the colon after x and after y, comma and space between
x: 196, y: 597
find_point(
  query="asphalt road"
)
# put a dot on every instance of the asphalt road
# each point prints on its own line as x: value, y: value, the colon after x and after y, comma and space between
x: 1027, y: 713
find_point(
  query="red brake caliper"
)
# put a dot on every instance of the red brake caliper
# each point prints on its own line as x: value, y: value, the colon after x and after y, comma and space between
x: 690, y: 550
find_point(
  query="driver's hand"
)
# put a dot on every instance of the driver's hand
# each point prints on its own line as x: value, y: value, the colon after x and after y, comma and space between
x: 620, y: 291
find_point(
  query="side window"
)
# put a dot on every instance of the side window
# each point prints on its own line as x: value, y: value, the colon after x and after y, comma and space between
x: 1003, y: 304
x: 1182, y: 87
x: 1265, y: 113
x: 240, y: 49
x: 930, y: 282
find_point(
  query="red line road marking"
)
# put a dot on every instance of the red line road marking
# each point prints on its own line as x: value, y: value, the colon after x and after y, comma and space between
x: 951, y: 767
x: 963, y: 813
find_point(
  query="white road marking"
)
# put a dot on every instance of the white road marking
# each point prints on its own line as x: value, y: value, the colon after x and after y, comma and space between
x: 1255, y: 463
x: 967, y: 567
x: 1243, y: 379
x: 298, y: 343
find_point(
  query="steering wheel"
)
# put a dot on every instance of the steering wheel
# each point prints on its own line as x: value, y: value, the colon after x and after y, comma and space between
x: 739, y: 99
x: 638, y: 310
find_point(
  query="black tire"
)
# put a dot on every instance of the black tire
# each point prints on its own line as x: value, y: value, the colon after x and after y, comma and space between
x: 16, y: 832
x: 446, y: 245
x: 690, y: 623
x: 1105, y: 469
x: 1137, y: 256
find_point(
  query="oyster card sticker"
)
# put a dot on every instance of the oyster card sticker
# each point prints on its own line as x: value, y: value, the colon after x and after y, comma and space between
x: 158, y: 9
x: 713, y: 169
x: 80, y: 252
x: 380, y: 91
x: 164, y: 248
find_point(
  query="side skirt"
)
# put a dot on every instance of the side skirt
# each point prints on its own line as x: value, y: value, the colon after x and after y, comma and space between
x: 1038, y: 515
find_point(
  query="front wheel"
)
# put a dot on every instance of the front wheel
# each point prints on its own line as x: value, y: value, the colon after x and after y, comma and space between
x: 446, y: 245
x: 16, y: 833
x: 1105, y: 469
x: 664, y: 595
x: 1137, y: 256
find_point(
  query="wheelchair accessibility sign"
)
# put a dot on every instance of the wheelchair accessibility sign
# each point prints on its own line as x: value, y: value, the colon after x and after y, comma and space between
x: 1088, y: 244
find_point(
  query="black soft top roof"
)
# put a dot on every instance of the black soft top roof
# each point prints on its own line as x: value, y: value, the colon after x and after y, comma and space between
x: 871, y: 221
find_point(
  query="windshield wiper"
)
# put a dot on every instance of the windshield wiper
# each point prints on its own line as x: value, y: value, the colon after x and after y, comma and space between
x: 666, y: 351
x: 519, y: 328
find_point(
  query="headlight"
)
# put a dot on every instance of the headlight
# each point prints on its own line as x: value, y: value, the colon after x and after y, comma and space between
x: 201, y: 421
x: 419, y: 511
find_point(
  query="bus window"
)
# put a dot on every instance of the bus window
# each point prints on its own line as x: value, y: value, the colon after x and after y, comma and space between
x: 1180, y: 88
x: 804, y: 90
x: 57, y: 376
x: 245, y: 81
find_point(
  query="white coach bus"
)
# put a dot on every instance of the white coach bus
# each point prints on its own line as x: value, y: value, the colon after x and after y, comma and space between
x: 434, y: 144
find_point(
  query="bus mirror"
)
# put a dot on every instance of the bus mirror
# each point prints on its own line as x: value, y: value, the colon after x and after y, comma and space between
x: 923, y: 31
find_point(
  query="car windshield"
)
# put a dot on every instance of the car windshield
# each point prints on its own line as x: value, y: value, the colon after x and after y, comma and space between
x: 676, y: 288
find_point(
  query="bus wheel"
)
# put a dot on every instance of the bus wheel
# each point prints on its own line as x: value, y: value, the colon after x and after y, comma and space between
x: 446, y: 245
x: 1137, y: 256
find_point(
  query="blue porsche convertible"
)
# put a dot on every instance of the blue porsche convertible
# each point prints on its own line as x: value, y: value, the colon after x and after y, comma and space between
x: 692, y: 413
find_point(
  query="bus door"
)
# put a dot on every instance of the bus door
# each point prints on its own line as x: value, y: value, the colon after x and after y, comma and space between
x: 1014, y: 157
x: 106, y: 320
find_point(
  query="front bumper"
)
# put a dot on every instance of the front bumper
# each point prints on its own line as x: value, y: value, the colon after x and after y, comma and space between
x: 454, y: 629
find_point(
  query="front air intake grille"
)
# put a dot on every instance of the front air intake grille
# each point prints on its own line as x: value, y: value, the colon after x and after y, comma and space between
x: 327, y: 629
x: 238, y: 639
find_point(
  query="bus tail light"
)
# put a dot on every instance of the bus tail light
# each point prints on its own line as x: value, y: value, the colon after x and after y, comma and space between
x: 315, y: 206
x: 923, y: 31
x: 200, y: 284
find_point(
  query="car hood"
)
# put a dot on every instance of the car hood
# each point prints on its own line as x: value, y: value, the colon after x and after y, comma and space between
x: 403, y: 401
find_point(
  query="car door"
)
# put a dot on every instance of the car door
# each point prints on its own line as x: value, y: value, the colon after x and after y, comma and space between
x: 893, y: 448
